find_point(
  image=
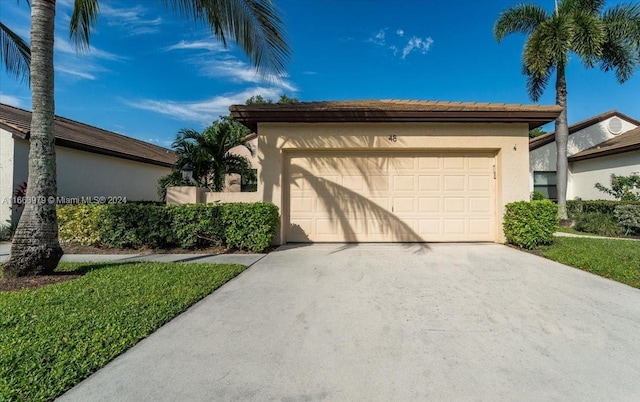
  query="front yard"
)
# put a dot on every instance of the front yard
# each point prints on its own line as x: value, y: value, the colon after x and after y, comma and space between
x: 615, y: 259
x: 53, y: 337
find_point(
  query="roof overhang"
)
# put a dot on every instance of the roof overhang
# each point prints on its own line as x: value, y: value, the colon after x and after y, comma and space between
x: 604, y: 152
x: 335, y: 112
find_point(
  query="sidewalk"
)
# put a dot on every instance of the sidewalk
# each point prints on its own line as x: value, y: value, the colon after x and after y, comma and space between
x: 562, y: 234
x: 244, y: 259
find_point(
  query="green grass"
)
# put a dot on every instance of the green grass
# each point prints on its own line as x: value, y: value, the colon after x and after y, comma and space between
x: 53, y: 337
x: 572, y: 231
x: 615, y: 259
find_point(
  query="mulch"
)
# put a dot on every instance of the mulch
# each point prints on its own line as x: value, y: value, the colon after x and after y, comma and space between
x: 34, y: 282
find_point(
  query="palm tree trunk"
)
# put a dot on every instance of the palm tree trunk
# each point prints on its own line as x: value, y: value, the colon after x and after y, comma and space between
x: 35, y: 248
x: 562, y: 138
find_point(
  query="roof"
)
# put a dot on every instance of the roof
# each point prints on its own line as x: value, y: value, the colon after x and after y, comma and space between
x: 628, y: 141
x: 83, y: 137
x: 404, y: 111
x: 545, y: 139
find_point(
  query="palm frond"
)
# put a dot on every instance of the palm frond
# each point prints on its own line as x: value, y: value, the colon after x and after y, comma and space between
x: 589, y: 34
x: 522, y: 18
x: 620, y: 58
x: 14, y: 53
x: 590, y: 6
x: 537, y: 83
x: 622, y: 23
x: 254, y: 25
x: 83, y: 18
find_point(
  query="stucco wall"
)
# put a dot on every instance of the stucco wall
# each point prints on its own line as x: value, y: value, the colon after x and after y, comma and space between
x: 543, y: 159
x: 509, y: 142
x: 587, y: 172
x: 6, y: 176
x: 87, y: 174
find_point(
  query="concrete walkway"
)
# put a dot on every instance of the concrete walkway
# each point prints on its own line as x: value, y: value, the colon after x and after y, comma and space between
x: 391, y: 322
x: 244, y: 259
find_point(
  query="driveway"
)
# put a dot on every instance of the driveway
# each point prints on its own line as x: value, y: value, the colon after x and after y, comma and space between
x: 383, y: 322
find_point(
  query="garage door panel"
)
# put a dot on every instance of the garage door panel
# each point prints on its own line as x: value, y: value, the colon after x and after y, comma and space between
x: 385, y: 197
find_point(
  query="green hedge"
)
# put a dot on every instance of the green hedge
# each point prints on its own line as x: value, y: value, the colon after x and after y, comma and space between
x: 247, y: 226
x: 607, y: 207
x: 530, y: 224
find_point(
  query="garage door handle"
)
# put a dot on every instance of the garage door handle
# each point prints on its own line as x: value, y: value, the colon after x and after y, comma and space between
x: 494, y: 171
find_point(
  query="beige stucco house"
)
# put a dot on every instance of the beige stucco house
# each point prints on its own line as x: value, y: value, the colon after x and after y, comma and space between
x: 91, y: 162
x: 597, y: 147
x: 392, y: 171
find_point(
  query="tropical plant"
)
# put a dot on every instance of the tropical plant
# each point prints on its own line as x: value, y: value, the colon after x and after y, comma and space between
x: 623, y: 188
x: 14, y: 53
x: 207, y: 153
x: 536, y: 132
x: 253, y: 24
x: 610, y: 38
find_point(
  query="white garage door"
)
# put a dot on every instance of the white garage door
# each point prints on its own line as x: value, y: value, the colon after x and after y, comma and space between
x: 376, y: 197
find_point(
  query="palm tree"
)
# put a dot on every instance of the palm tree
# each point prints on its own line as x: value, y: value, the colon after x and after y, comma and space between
x: 253, y: 24
x: 208, y: 155
x: 610, y: 38
x: 14, y: 53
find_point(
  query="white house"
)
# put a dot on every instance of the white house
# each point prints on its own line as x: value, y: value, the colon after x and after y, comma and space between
x: 91, y: 162
x: 599, y: 146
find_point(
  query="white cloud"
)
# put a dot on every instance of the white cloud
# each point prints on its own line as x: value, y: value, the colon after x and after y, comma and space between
x: 417, y: 44
x: 64, y: 46
x: 213, y: 46
x: 309, y: 73
x: 206, y: 111
x: 132, y: 19
x: 400, y: 32
x: 75, y: 73
x: 239, y: 71
x: 10, y: 100
x: 379, y: 38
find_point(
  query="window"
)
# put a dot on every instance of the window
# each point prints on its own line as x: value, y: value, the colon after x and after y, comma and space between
x: 545, y: 183
x: 249, y: 182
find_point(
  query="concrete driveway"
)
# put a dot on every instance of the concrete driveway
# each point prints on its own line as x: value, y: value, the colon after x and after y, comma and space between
x: 385, y: 322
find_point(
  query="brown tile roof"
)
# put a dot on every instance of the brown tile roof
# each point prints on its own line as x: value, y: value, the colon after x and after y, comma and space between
x: 545, y: 139
x: 394, y: 111
x: 625, y: 142
x: 73, y: 134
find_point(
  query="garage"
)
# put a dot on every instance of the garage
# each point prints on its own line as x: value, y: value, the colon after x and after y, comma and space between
x: 391, y: 170
x: 382, y: 197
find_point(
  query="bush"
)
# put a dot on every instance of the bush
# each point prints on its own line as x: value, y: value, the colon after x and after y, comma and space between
x: 576, y: 208
x: 81, y: 223
x: 597, y: 223
x: 198, y: 225
x: 537, y: 196
x: 628, y: 218
x: 530, y: 224
x: 250, y: 226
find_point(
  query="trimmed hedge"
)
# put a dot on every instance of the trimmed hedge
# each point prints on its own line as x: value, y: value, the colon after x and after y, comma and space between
x: 576, y: 208
x: 628, y: 218
x: 530, y: 224
x: 248, y: 226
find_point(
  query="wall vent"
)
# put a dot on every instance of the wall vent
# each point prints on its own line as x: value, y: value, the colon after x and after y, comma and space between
x: 615, y: 125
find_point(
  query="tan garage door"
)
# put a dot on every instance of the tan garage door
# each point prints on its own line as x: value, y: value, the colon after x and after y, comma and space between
x: 375, y: 197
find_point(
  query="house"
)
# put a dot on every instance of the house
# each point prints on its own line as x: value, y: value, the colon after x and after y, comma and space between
x: 597, y: 147
x: 392, y: 171
x: 91, y: 162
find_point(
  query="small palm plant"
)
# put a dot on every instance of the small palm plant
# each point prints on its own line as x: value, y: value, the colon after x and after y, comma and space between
x: 208, y: 153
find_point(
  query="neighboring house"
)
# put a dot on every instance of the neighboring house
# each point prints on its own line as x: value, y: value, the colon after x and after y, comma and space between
x: 91, y: 162
x: 597, y: 147
x: 391, y: 171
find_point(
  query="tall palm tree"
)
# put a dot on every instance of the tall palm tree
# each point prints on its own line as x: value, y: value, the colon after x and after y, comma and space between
x: 609, y: 38
x: 208, y: 155
x: 253, y: 24
x: 14, y: 53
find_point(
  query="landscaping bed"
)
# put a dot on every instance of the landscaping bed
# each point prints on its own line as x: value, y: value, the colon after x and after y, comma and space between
x: 53, y: 337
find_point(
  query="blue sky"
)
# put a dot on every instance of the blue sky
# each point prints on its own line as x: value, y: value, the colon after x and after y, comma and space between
x: 150, y: 73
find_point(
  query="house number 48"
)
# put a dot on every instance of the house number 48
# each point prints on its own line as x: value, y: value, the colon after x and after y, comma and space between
x: 393, y: 138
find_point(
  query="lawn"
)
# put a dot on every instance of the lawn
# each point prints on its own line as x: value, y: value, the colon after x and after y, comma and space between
x: 615, y: 259
x: 572, y: 231
x: 53, y: 337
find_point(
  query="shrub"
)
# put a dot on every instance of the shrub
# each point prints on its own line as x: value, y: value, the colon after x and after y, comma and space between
x: 597, y: 223
x: 198, y: 225
x: 530, y: 224
x: 537, y: 196
x: 628, y: 218
x: 576, y: 208
x: 250, y: 226
x: 81, y: 223
x: 623, y: 188
x: 6, y: 231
